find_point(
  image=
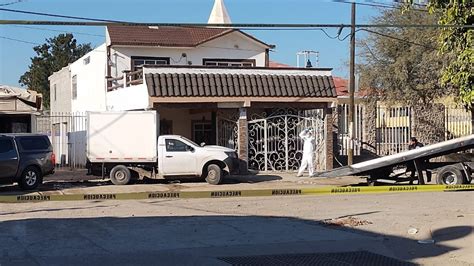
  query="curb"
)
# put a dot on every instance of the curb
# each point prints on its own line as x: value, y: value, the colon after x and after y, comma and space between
x: 40, y: 196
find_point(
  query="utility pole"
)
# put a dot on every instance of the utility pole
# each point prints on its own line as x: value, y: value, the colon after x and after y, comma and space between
x: 350, y: 154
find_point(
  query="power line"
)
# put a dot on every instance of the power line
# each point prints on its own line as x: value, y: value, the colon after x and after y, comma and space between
x: 268, y: 26
x: 17, y: 40
x: 399, y: 39
x: 382, y: 5
x: 58, y: 16
x: 45, y: 29
x: 372, y: 4
x: 12, y: 3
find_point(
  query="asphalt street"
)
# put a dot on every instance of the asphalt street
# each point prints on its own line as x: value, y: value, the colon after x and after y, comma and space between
x: 204, y: 231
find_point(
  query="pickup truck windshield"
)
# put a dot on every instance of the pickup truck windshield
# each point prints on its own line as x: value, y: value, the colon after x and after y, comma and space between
x: 190, y: 141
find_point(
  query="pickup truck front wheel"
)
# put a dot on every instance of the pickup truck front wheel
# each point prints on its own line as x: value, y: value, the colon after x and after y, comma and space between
x: 214, y: 174
x: 120, y: 175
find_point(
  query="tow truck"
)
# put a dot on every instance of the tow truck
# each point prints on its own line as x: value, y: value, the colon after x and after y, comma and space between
x: 455, y: 168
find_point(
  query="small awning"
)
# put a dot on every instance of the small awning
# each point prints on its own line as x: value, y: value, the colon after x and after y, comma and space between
x: 239, y: 85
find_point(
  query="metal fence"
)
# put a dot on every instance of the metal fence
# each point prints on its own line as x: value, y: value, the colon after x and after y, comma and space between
x: 393, y: 129
x: 67, y: 133
x: 343, y: 129
x: 457, y: 122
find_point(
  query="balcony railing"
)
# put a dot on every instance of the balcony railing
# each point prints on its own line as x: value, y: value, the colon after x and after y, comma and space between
x: 128, y: 79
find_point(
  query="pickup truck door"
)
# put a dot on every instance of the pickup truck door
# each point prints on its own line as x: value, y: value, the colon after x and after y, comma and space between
x: 178, y: 159
x: 8, y: 158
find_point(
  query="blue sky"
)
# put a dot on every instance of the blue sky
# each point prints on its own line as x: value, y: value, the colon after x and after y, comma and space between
x: 15, y: 56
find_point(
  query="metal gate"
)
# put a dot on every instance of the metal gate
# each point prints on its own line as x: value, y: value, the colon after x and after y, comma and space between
x: 274, y: 142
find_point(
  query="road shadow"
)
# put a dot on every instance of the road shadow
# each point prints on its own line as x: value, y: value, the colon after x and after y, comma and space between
x: 201, y: 240
x: 52, y: 184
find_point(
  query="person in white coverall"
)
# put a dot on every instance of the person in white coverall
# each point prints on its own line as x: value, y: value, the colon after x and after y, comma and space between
x: 308, y: 149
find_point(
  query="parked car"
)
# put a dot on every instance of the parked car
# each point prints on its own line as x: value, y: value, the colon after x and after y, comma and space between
x: 25, y: 159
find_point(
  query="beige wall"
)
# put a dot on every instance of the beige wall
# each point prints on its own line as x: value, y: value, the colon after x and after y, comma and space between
x: 182, y: 120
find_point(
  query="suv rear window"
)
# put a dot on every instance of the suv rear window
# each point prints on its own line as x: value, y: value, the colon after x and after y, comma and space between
x: 34, y: 143
x: 6, y: 145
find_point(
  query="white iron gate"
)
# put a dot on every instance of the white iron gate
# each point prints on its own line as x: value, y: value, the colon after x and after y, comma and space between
x: 274, y: 142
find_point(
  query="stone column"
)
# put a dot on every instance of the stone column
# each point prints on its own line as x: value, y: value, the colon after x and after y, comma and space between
x: 369, y: 135
x: 243, y: 140
x: 428, y: 123
x: 328, y: 120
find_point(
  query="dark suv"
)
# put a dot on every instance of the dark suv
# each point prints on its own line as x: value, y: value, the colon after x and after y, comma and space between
x: 25, y: 159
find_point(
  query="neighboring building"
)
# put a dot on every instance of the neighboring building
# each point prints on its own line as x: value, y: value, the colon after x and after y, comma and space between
x: 81, y: 85
x: 18, y: 109
x: 382, y: 129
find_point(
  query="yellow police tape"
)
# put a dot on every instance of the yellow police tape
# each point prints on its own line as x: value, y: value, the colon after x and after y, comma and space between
x: 40, y: 196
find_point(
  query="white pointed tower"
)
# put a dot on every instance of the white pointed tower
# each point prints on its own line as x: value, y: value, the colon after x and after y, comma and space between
x: 219, y: 14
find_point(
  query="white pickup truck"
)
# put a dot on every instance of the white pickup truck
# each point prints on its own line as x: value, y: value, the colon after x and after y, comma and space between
x: 124, y: 145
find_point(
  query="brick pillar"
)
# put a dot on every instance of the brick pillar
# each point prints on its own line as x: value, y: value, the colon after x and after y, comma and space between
x: 328, y: 120
x: 243, y: 140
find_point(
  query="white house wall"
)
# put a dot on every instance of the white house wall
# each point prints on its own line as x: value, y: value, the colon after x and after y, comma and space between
x: 230, y: 46
x: 129, y: 98
x: 60, y: 100
x: 91, y: 82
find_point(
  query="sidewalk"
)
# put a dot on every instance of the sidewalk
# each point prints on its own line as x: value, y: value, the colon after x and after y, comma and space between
x: 76, y: 182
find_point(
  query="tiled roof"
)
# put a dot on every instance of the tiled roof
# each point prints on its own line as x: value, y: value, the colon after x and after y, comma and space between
x: 166, y: 36
x: 342, y: 88
x: 232, y: 85
x: 341, y: 85
x: 162, y: 36
x: 274, y: 64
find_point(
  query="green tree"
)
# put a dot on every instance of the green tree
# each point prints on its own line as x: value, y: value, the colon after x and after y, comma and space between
x: 50, y: 57
x: 458, y: 41
x: 402, y: 64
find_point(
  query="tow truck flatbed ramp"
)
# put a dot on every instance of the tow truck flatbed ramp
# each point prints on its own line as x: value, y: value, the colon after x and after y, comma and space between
x: 423, y: 153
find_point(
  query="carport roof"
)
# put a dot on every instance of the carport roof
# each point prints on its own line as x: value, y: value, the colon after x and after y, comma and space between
x: 239, y: 85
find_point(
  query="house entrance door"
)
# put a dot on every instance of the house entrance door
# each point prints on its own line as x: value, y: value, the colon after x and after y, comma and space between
x: 274, y: 142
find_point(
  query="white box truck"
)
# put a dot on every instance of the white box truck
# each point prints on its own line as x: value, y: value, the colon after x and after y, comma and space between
x: 125, y: 145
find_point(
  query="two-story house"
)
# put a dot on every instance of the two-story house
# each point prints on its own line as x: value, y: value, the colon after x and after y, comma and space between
x: 209, y: 84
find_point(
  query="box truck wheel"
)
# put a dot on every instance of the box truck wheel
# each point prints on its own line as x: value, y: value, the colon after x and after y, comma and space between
x: 214, y: 174
x: 450, y: 175
x: 120, y: 175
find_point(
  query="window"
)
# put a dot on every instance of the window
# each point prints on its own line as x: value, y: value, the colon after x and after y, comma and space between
x: 87, y: 60
x: 6, y: 145
x: 176, y: 145
x: 166, y: 127
x: 74, y: 87
x: 202, y: 132
x: 229, y: 62
x: 138, y: 62
x: 54, y: 92
x: 34, y: 143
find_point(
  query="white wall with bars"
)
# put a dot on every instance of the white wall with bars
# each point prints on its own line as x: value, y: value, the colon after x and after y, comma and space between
x: 67, y: 133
